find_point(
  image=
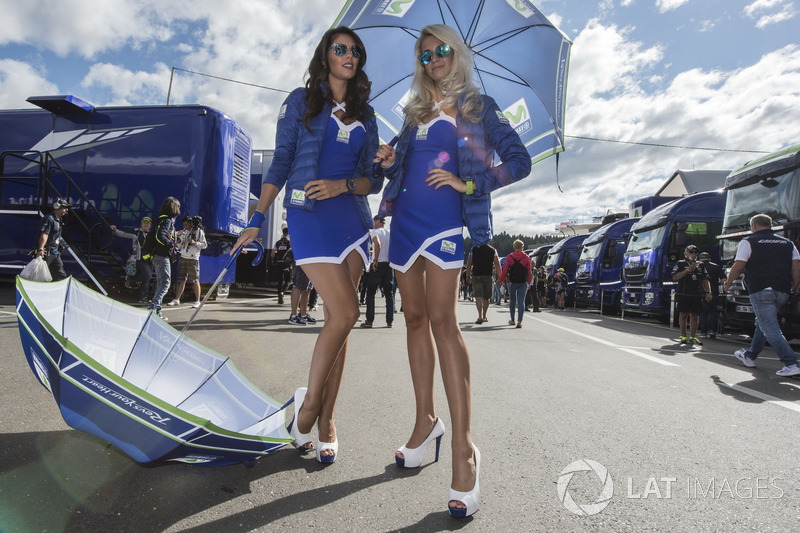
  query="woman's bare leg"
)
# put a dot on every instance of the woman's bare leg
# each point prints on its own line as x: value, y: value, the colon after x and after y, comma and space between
x: 421, y: 354
x: 336, y: 284
x: 441, y: 291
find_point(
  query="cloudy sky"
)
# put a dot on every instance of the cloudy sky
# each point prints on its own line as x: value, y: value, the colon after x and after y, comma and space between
x: 721, y: 74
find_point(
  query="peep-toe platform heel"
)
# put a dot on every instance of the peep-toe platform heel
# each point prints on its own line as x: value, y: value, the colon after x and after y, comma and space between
x: 412, y: 457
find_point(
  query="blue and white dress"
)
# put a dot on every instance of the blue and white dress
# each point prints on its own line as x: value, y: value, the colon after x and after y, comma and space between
x: 334, y: 229
x: 426, y: 221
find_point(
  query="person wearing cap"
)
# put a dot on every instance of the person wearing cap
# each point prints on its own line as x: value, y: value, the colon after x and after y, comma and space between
x: 49, y: 244
x: 693, y: 288
x: 144, y: 269
x: 709, y: 316
x: 771, y: 264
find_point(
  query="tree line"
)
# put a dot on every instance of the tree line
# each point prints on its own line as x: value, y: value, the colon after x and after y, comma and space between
x: 504, y: 243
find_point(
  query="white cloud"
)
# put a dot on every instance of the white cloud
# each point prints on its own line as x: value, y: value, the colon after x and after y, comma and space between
x: 20, y: 80
x: 751, y: 108
x: 768, y: 12
x: 668, y: 5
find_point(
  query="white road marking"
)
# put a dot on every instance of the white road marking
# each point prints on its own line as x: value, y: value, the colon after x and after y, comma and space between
x: 607, y: 343
x: 761, y: 396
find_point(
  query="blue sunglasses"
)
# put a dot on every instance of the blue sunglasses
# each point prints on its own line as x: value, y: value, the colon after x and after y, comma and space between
x: 341, y: 49
x: 443, y: 50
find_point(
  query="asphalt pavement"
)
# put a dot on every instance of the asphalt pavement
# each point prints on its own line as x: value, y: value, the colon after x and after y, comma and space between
x: 584, y: 422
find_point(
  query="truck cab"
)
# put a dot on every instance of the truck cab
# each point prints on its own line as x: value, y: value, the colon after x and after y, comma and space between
x: 657, y: 242
x: 599, y: 273
x: 769, y: 185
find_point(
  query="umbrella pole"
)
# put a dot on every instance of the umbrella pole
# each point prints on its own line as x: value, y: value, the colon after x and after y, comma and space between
x: 219, y: 279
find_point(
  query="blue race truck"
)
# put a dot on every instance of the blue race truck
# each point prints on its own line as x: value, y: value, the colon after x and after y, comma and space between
x: 768, y: 185
x: 564, y: 254
x: 116, y: 165
x: 658, y: 240
x: 599, y: 275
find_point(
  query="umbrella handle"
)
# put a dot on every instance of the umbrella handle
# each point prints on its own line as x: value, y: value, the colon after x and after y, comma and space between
x: 377, y: 171
x: 257, y: 260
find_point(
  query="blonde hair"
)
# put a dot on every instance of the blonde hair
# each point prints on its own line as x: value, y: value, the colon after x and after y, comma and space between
x: 518, y: 244
x: 457, y: 82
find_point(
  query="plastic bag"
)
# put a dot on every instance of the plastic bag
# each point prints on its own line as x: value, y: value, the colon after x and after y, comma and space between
x: 36, y: 270
x: 130, y: 266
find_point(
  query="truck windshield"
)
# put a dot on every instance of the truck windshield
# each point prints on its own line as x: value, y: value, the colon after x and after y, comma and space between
x: 646, y: 240
x: 590, y: 252
x: 778, y: 197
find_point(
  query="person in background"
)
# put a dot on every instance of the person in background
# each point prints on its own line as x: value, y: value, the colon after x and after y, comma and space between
x: 560, y: 283
x: 301, y: 289
x: 541, y: 285
x: 380, y: 274
x: 517, y: 269
x: 482, y: 262
x: 771, y: 265
x: 49, y: 244
x: 692, y: 289
x: 326, y: 138
x: 709, y: 316
x: 441, y: 166
x: 191, y: 240
x: 163, y: 250
x: 282, y: 263
x: 144, y: 269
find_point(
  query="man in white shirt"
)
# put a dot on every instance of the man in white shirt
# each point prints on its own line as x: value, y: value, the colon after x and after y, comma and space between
x: 380, y: 273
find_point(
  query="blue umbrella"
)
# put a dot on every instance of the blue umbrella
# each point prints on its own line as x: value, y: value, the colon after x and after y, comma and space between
x: 521, y: 60
x: 125, y: 376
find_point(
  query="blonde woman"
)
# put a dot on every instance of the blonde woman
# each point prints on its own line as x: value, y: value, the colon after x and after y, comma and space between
x: 441, y: 175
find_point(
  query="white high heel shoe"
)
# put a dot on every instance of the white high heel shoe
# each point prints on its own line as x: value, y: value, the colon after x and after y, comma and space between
x: 301, y: 440
x: 321, y: 446
x: 471, y: 499
x: 412, y: 457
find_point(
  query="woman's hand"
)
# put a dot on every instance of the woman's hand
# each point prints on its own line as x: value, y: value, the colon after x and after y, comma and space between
x: 247, y: 236
x: 385, y: 156
x: 325, y: 189
x: 439, y: 178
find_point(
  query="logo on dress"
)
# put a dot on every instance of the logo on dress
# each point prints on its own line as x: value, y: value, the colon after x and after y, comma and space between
x: 298, y: 197
x: 422, y: 134
x: 282, y: 112
x: 395, y: 8
x: 519, y: 116
x: 448, y: 247
x: 343, y: 137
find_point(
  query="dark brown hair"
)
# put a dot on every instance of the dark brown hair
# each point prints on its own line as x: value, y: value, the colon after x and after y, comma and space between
x: 170, y: 207
x: 317, y: 88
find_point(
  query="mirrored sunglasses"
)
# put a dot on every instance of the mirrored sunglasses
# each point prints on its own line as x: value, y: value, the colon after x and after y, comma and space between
x: 443, y: 50
x: 341, y: 49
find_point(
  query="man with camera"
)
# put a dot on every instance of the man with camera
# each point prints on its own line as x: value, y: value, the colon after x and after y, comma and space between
x: 190, y: 241
x: 693, y: 287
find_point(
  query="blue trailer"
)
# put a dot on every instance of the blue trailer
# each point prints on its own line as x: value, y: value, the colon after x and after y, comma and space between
x: 116, y: 165
x: 565, y: 254
x: 770, y: 185
x: 599, y: 274
x: 657, y: 242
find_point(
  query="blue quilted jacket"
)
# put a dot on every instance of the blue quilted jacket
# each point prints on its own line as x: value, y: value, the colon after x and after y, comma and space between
x: 475, y: 154
x: 296, y: 158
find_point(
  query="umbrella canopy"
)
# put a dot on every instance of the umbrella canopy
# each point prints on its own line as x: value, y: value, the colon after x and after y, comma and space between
x: 125, y: 376
x: 521, y: 60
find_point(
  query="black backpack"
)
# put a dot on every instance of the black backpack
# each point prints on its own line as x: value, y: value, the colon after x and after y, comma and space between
x: 517, y: 273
